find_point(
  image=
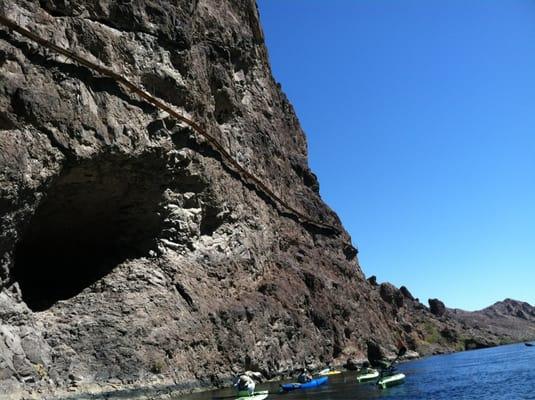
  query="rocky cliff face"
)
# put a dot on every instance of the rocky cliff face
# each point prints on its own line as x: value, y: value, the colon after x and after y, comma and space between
x: 130, y: 252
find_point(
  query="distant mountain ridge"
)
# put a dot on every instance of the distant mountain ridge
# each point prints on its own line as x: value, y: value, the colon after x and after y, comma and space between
x: 512, y: 320
x: 510, y: 307
x: 437, y: 329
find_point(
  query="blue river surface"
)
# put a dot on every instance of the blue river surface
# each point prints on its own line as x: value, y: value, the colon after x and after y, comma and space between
x: 505, y: 372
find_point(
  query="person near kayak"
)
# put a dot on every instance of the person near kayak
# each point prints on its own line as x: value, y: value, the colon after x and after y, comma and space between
x: 304, y: 376
x: 365, y: 369
x: 389, y: 366
x: 388, y: 371
x: 246, y: 382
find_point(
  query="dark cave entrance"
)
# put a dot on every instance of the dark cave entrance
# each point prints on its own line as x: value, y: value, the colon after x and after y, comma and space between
x: 96, y: 215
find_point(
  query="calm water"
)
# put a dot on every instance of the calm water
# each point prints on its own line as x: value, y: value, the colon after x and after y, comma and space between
x: 506, y: 372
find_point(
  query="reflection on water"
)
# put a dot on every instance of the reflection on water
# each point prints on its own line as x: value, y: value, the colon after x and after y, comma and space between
x: 506, y: 372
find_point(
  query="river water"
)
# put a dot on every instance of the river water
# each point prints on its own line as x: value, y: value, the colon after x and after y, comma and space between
x: 505, y: 372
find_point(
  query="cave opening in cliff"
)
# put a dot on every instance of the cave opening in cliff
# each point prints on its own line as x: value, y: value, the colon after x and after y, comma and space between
x: 96, y: 214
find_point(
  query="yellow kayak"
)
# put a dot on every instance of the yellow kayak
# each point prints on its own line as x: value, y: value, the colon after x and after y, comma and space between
x: 328, y: 372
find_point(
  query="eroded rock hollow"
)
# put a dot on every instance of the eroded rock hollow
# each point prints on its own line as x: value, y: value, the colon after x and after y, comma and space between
x: 96, y: 215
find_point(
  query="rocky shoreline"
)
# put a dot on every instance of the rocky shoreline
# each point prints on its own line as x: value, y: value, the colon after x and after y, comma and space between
x: 156, y: 391
x: 161, y: 390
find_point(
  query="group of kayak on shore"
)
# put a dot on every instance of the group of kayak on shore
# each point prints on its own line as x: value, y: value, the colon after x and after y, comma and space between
x: 385, y: 377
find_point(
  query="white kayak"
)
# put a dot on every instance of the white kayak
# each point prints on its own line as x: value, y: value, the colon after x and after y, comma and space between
x: 261, y: 395
x: 391, y: 380
x: 368, y: 376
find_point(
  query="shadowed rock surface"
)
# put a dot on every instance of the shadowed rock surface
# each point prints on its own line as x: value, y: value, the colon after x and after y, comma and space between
x: 437, y: 307
x: 130, y: 253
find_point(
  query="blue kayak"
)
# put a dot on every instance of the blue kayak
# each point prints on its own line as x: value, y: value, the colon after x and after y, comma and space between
x: 287, y: 387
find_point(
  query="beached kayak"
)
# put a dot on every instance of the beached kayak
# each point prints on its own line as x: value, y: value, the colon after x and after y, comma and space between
x: 261, y: 395
x: 328, y: 372
x: 368, y: 376
x: 287, y: 387
x: 391, y: 380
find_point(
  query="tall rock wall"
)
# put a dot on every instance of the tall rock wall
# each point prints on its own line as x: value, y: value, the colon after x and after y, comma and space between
x: 130, y: 251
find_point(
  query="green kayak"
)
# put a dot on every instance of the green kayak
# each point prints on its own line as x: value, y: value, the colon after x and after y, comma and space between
x: 391, y: 380
x: 263, y: 394
x: 369, y: 375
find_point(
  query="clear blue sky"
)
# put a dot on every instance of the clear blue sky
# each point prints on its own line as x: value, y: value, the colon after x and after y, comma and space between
x: 420, y: 118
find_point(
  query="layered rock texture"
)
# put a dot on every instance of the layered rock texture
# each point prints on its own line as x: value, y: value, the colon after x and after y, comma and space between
x: 131, y: 253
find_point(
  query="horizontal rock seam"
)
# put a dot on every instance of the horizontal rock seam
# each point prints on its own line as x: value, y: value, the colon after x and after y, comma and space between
x: 302, y: 218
